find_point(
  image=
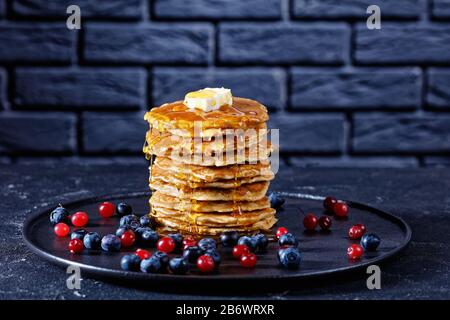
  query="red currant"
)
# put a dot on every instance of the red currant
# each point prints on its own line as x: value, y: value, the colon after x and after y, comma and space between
x: 106, y: 209
x: 239, y: 250
x: 325, y: 223
x: 143, y: 254
x: 61, y: 229
x: 310, y: 222
x: 281, y: 231
x: 76, y: 246
x: 127, y: 238
x: 328, y: 203
x: 79, y: 219
x: 205, y: 263
x: 355, y: 232
x: 362, y: 227
x: 355, y: 251
x: 340, y: 209
x: 248, y: 260
x: 189, y: 242
x: 165, y: 244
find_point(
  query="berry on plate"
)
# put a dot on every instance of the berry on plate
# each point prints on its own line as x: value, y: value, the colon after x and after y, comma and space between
x: 127, y: 220
x: 355, y: 251
x: 163, y: 258
x: 151, y: 265
x: 215, y: 255
x: 79, y: 219
x: 143, y: 254
x: 289, y: 258
x: 111, y: 242
x: 123, y: 209
x: 328, y: 203
x: 76, y: 246
x: 61, y: 229
x: 261, y: 242
x: 281, y: 231
x: 121, y: 230
x: 149, y: 238
x: 205, y: 264
x: 166, y: 244
x: 106, y: 209
x: 178, y: 266
x: 189, y: 242
x: 355, y: 232
x: 249, y: 242
x: 92, y: 240
x: 145, y: 221
x: 310, y: 222
x: 325, y: 223
x: 127, y: 238
x: 248, y: 260
x: 78, y: 234
x: 58, y: 215
x: 239, y: 250
x: 288, y: 240
x: 191, y: 254
x: 207, y: 243
x: 370, y: 241
x: 276, y: 201
x: 229, y: 239
x: 340, y: 209
x: 130, y: 262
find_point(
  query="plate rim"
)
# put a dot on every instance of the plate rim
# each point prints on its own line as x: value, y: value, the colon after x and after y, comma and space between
x: 137, y: 276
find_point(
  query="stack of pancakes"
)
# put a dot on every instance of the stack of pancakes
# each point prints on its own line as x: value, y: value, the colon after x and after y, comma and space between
x: 210, y: 171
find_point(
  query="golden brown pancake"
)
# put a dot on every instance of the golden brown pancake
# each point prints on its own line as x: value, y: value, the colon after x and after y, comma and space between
x: 246, y: 192
x: 159, y: 199
x: 243, y: 114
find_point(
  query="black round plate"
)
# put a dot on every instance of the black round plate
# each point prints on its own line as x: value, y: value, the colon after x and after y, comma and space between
x: 323, y: 253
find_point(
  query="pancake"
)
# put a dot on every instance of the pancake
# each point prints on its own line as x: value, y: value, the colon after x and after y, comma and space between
x: 242, y: 219
x: 246, y: 192
x: 163, y: 176
x: 161, y: 200
x: 243, y: 114
x: 169, y: 225
x: 209, y: 174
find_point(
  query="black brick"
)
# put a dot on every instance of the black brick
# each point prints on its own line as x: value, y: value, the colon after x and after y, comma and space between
x: 36, y: 42
x: 306, y: 133
x: 439, y: 162
x: 114, y: 133
x: 354, y: 162
x: 37, y: 133
x: 279, y: 43
x: 86, y: 87
x: 440, y: 9
x: 403, y: 44
x: 116, y: 9
x: 355, y: 88
x: 401, y: 134
x: 337, y: 9
x: 263, y: 84
x: 219, y: 10
x: 162, y: 43
x: 439, y: 88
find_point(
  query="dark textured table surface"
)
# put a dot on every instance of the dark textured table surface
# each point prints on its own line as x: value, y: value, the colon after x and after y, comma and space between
x: 420, y: 196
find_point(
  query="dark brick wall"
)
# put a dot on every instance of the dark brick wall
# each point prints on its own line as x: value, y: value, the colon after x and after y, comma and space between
x: 341, y: 94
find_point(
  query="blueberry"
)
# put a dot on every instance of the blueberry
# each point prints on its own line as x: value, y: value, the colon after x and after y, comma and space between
x: 123, y: 209
x: 126, y: 220
x: 276, y: 201
x: 149, y: 238
x: 163, y: 258
x: 178, y: 266
x: 213, y: 254
x: 207, y: 243
x: 261, y: 242
x: 134, y: 225
x: 121, y: 231
x: 58, y: 215
x: 130, y: 262
x: 370, y: 241
x: 289, y: 258
x: 111, y: 242
x: 145, y: 221
x: 229, y: 239
x: 78, y: 234
x: 191, y: 254
x: 249, y: 242
x: 92, y: 240
x: 288, y: 239
x: 178, y: 239
x: 151, y: 265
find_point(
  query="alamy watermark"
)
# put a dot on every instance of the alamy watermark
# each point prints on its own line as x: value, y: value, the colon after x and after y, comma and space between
x: 374, y: 280
x: 374, y: 20
x: 73, y: 22
x: 73, y: 281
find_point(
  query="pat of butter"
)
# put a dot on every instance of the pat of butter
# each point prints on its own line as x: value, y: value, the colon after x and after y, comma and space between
x: 208, y: 99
